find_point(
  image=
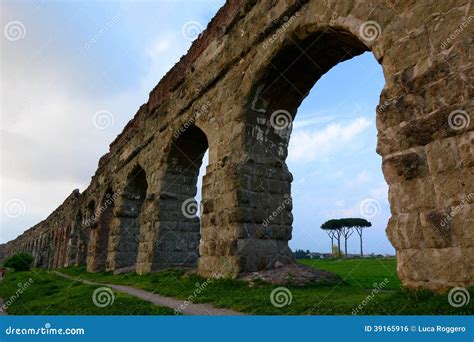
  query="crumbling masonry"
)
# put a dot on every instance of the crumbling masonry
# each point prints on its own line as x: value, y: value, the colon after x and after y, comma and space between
x: 257, y: 60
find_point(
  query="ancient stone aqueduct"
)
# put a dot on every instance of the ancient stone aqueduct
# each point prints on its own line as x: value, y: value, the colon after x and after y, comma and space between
x: 254, y: 59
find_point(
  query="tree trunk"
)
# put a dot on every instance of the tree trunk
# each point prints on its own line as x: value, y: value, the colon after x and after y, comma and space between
x: 361, y: 252
x: 339, y: 246
x: 345, y: 247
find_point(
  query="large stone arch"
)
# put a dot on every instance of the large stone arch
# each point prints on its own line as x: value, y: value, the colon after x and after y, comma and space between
x: 414, y: 133
x: 291, y: 69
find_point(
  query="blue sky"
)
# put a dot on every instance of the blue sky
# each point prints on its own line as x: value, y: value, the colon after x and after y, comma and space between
x: 80, y: 57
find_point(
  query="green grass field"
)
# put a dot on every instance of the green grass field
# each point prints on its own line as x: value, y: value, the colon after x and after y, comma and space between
x: 48, y: 294
x: 360, y: 272
x: 359, y: 278
x: 357, y: 289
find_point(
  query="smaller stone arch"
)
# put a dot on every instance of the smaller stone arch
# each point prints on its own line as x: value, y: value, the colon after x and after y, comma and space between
x: 125, y: 235
x: 74, y: 238
x: 63, y: 245
x: 99, y: 239
x: 89, y: 223
x: 41, y: 251
x: 58, y: 249
x: 52, y: 250
x: 178, y: 233
x: 54, y: 240
x: 49, y: 249
x: 90, y: 215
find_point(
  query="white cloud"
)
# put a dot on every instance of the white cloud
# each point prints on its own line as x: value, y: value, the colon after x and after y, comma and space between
x: 311, y: 120
x: 345, y: 212
x: 306, y: 145
x: 48, y: 142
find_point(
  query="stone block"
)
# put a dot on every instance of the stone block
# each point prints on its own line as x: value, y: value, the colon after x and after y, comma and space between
x: 442, y: 155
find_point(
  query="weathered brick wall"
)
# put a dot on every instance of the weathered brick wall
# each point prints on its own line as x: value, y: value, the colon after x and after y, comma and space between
x: 255, y: 59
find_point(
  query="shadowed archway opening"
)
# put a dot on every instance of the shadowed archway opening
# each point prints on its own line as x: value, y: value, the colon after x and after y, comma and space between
x: 40, y: 252
x: 292, y: 73
x: 100, y: 235
x: 179, y: 233
x: 131, y: 218
x: 88, y: 226
x: 75, y: 237
x: 280, y: 90
x: 48, y: 249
